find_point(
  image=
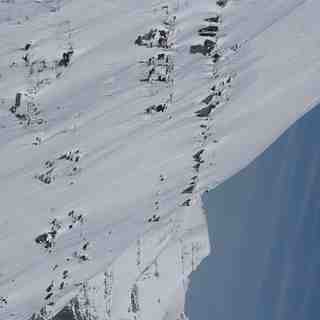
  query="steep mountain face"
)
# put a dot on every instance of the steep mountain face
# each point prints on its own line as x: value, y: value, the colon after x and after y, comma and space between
x: 266, y: 257
x: 115, y: 116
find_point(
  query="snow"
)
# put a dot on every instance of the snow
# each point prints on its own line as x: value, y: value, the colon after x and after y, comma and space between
x: 133, y: 165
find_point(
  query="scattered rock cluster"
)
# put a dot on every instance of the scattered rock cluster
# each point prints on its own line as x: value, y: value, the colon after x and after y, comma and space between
x: 222, y: 3
x: 64, y: 165
x: 48, y: 239
x: 3, y: 301
x: 218, y: 95
x: 31, y: 113
x: 159, y: 68
x: 40, y: 72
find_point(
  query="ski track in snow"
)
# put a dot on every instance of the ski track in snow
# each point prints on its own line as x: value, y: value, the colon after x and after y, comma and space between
x: 107, y: 152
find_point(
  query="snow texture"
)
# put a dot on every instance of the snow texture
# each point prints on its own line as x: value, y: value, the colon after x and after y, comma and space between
x: 115, y: 117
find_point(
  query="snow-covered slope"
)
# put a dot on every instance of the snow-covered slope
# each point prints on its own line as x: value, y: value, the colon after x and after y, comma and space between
x: 105, y: 158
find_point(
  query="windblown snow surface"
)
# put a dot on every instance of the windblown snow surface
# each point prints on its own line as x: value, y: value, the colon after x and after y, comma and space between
x: 107, y: 152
